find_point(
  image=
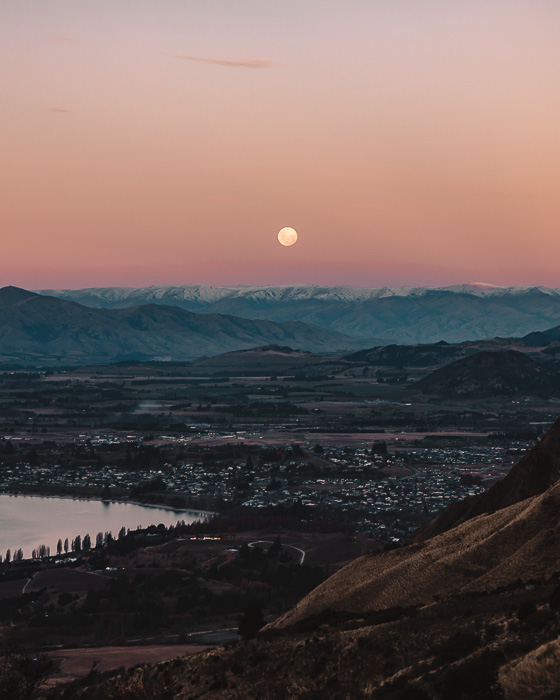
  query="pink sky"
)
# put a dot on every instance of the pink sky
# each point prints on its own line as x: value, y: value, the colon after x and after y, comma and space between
x: 167, y: 142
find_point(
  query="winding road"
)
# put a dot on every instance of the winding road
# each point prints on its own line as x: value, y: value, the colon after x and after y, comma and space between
x: 291, y: 546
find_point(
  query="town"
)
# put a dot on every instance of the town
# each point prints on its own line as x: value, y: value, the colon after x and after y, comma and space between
x: 349, y: 449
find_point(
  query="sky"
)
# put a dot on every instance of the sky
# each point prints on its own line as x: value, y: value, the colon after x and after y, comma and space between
x: 168, y: 141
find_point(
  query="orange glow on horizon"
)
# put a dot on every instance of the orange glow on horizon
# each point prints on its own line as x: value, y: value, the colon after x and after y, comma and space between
x: 412, y: 144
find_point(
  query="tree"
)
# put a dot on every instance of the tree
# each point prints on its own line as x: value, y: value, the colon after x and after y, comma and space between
x: 297, y: 450
x: 245, y: 552
x: 23, y: 674
x: 8, y: 556
x: 77, y: 544
x: 251, y: 622
x: 86, y: 544
x: 66, y: 546
x: 99, y: 540
x: 59, y: 547
x: 275, y: 548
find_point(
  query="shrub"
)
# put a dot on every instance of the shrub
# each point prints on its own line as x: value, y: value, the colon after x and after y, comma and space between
x: 554, y: 600
x: 461, y: 644
x: 475, y: 678
x: 251, y: 622
x: 526, y: 609
x: 535, y: 676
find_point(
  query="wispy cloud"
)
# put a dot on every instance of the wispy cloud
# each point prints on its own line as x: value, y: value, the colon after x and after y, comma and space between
x: 59, y: 110
x: 228, y: 62
x: 63, y: 39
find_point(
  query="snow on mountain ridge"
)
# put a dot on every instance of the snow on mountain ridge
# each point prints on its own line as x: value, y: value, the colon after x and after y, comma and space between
x: 343, y: 293
x: 373, y: 315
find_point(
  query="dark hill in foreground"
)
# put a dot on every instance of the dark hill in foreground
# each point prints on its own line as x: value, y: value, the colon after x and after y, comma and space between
x: 504, y: 373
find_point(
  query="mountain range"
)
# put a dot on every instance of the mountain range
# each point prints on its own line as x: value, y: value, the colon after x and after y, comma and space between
x: 38, y: 329
x: 401, y: 315
x: 42, y: 329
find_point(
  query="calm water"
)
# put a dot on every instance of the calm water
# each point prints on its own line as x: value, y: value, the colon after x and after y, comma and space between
x: 30, y: 521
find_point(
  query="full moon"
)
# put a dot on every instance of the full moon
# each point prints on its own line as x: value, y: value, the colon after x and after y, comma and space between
x: 287, y: 236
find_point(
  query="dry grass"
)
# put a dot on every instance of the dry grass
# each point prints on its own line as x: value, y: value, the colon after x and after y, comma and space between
x: 69, y: 580
x: 78, y: 662
x: 450, y: 650
x: 481, y: 554
x: 12, y: 589
x: 535, y: 676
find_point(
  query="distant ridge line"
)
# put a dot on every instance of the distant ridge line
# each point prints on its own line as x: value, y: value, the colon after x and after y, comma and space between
x: 344, y: 291
x: 400, y: 315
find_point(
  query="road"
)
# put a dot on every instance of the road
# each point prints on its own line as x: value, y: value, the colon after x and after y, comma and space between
x: 216, y: 636
x: 291, y: 546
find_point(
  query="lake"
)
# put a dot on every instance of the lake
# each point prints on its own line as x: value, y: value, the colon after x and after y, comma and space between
x: 30, y: 521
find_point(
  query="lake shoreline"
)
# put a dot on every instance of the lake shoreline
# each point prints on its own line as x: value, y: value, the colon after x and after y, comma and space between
x: 39, y: 493
x: 33, y: 521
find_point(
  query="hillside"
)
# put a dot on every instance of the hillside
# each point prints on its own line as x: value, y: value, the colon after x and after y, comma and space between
x: 420, y: 355
x: 546, y: 337
x: 537, y: 471
x: 268, y: 359
x: 478, y: 543
x: 506, y: 373
x: 538, y: 345
x: 40, y: 329
x: 471, y: 614
x: 494, y: 646
x: 403, y: 315
x: 481, y: 554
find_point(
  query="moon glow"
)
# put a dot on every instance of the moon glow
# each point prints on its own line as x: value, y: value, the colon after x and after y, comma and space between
x: 287, y: 236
